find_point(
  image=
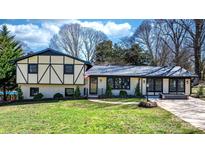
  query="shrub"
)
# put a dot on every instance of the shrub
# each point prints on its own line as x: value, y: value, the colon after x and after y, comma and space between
x: 123, y: 94
x: 200, y: 91
x: 77, y: 92
x: 39, y: 96
x: 137, y: 90
x: 108, y: 92
x: 19, y: 93
x: 147, y: 104
x: 58, y: 96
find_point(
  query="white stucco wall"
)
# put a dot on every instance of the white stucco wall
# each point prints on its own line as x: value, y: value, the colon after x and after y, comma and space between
x: 47, y: 90
x: 102, y: 81
x: 144, y: 88
x: 187, y: 86
x: 165, y: 85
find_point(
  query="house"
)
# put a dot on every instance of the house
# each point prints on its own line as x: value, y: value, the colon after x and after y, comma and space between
x: 50, y: 72
x: 151, y: 80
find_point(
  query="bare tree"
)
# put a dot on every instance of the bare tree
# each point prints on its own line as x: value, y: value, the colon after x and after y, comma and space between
x: 91, y: 38
x: 68, y: 39
x: 148, y: 36
x: 196, y: 30
x: 77, y: 41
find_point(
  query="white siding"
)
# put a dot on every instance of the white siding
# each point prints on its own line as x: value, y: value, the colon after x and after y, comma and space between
x: 33, y: 59
x: 21, y: 71
x: 44, y: 59
x: 79, y: 79
x: 47, y: 90
x: 32, y: 78
x: 57, y: 59
x: 68, y: 79
x: 68, y: 60
x: 102, y: 81
x: 43, y: 78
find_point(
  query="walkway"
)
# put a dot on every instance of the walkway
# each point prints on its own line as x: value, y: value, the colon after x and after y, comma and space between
x: 191, y: 110
x: 109, y: 102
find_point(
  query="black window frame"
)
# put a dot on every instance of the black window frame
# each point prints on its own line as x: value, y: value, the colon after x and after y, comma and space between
x: 29, y: 71
x: 154, y: 85
x: 31, y: 94
x: 114, y: 78
x: 64, y: 69
x: 69, y: 95
x: 177, y: 85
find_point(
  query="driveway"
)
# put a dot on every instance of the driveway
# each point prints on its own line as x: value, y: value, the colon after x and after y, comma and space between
x: 191, y: 110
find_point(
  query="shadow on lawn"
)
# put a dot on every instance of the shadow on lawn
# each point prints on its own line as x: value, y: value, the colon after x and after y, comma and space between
x: 84, y: 103
x: 28, y: 102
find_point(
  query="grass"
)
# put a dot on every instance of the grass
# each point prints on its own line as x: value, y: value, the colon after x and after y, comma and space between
x: 124, y: 99
x: 83, y: 117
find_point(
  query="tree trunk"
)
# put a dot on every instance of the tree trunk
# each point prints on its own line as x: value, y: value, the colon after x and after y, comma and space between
x: 197, y: 47
x: 4, y: 91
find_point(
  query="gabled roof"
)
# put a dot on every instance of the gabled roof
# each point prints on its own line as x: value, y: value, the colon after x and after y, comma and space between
x: 138, y: 71
x: 50, y: 51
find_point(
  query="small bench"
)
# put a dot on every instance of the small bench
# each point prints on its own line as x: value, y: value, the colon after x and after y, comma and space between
x: 173, y: 96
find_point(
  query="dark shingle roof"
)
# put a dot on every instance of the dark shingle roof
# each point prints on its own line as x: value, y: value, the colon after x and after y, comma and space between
x: 50, y: 51
x: 139, y: 71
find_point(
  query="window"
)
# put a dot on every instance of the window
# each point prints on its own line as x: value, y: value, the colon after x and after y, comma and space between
x: 119, y: 82
x: 176, y: 85
x: 155, y: 85
x: 68, y: 69
x: 69, y: 92
x: 34, y: 91
x: 180, y: 85
x: 93, y: 85
x: 33, y: 68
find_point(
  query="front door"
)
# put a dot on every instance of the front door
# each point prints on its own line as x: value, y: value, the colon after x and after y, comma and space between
x: 93, y: 85
x: 176, y: 86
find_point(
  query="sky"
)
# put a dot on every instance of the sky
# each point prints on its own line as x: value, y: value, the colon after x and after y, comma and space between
x: 36, y: 34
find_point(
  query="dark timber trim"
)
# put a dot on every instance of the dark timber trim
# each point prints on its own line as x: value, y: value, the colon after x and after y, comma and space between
x: 50, y: 70
x: 56, y: 74
x: 63, y: 68
x: 38, y: 67
x: 21, y: 73
x: 73, y: 71
x: 44, y: 74
x: 79, y: 74
x: 48, y: 52
x: 27, y: 71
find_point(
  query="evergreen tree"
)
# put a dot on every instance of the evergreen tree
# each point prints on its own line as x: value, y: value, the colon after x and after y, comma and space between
x: 10, y: 49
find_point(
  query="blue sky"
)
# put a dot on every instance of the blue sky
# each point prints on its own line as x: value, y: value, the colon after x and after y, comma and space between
x: 36, y: 34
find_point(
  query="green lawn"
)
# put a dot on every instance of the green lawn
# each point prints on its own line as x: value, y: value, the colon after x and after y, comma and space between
x: 124, y: 99
x: 82, y: 116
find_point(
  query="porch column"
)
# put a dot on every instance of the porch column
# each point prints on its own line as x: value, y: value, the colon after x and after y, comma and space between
x: 165, y: 85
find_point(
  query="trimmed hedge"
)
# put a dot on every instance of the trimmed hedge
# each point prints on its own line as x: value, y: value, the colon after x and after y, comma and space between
x: 39, y: 96
x: 58, y: 96
x: 123, y: 94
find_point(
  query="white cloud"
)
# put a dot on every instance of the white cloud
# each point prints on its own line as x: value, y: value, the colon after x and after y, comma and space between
x: 110, y: 28
x: 38, y: 36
